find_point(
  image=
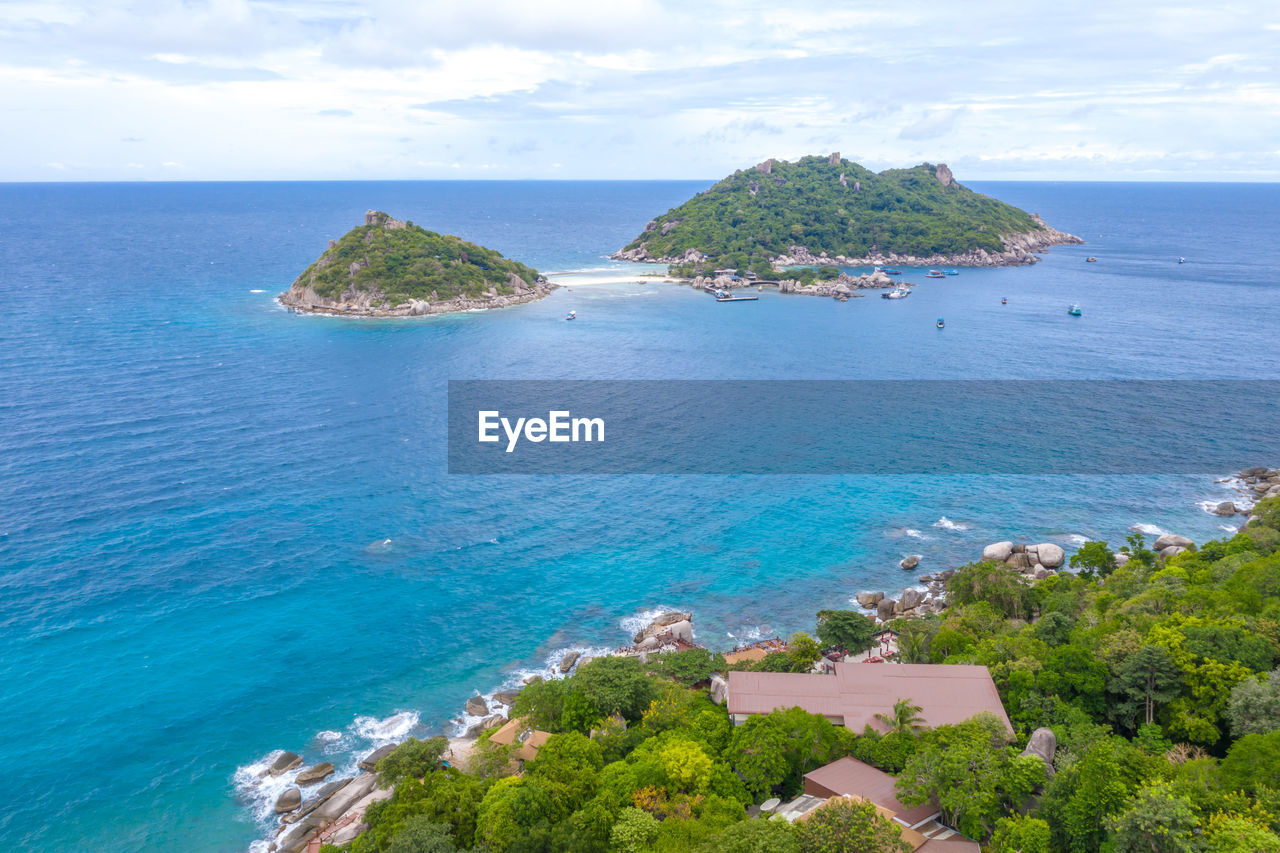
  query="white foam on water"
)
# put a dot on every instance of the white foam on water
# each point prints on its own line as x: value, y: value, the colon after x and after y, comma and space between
x: 913, y: 533
x: 1147, y: 529
x: 1228, y: 528
x: 632, y: 625
x: 1075, y: 539
x: 257, y: 291
x: 388, y: 730
x: 947, y: 524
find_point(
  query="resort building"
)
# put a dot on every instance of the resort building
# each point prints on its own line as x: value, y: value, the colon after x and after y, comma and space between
x: 855, y: 693
x: 849, y: 777
x: 517, y: 731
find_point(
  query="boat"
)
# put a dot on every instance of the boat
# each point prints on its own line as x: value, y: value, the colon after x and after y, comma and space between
x: 1091, y: 260
x: 1074, y: 310
x: 896, y: 293
x: 1004, y: 301
x: 941, y: 323
x: 953, y: 272
x: 891, y: 272
x: 572, y: 315
x: 725, y: 296
x: 1182, y: 260
x: 935, y: 274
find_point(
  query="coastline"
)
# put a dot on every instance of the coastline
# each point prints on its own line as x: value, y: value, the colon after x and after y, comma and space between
x: 307, y: 301
x: 663, y: 629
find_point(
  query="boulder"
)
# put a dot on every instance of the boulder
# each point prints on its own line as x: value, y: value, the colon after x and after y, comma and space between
x: 1043, y: 744
x: 1172, y: 551
x: 286, y: 762
x: 477, y: 707
x: 1020, y: 560
x: 1170, y: 539
x: 682, y: 631
x: 567, y: 662
x: 316, y: 801
x: 337, y: 805
x: 1121, y: 558
x: 493, y: 721
x: 1040, y: 573
x: 1224, y: 508
x: 1253, y: 472
x: 868, y: 599
x: 506, y: 697
x: 656, y: 626
x: 1051, y: 555
x: 719, y: 689
x: 885, y: 608
x: 370, y: 761
x: 911, y: 599
x: 315, y: 774
x: 910, y: 561
x: 288, y: 801
x: 649, y: 644
x: 997, y: 552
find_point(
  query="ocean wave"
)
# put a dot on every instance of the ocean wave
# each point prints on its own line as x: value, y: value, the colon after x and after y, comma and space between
x: 945, y: 523
x: 1147, y: 529
x: 257, y: 291
x: 388, y: 730
x: 1075, y: 539
x: 1229, y: 528
x: 633, y: 624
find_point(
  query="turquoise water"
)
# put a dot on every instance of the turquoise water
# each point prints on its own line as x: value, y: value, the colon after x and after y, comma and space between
x: 197, y: 488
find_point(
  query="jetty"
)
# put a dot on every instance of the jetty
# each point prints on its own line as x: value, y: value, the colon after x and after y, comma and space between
x: 724, y: 296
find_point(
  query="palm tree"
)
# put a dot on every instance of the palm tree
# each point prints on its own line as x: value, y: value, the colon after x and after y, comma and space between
x: 905, y: 717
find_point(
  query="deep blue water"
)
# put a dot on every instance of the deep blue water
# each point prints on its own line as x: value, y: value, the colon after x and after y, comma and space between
x: 196, y: 487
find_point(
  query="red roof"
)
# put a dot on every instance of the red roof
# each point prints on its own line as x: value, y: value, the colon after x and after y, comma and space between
x: 849, y: 776
x: 946, y: 694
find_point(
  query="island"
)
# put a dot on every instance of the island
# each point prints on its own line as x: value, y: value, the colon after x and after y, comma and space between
x: 389, y: 268
x: 828, y: 211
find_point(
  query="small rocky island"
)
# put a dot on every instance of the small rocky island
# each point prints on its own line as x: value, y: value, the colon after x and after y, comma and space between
x: 829, y: 211
x: 389, y: 268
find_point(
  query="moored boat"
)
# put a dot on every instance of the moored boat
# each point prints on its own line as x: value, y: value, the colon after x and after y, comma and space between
x: 941, y: 323
x: 1074, y: 311
x: 935, y: 274
x: 1091, y: 260
x: 572, y: 315
x: 953, y: 272
x: 1004, y: 301
x: 896, y: 293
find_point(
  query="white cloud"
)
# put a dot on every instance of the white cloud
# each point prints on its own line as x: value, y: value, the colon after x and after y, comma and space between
x: 636, y: 88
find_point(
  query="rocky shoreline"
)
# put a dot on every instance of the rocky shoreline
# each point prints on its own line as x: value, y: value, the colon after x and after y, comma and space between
x: 304, y: 300
x: 1021, y: 249
x: 312, y: 810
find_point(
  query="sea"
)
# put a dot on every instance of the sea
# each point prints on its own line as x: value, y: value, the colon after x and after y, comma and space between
x: 227, y: 529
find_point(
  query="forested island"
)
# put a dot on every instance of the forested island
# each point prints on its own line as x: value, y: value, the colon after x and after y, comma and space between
x: 390, y: 268
x: 828, y: 210
x: 1131, y: 705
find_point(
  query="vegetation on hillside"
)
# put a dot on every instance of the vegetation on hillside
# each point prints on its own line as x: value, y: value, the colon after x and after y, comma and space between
x: 1158, y: 678
x: 401, y: 261
x: 750, y: 218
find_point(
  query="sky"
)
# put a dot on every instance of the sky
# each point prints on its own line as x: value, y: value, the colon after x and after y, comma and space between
x: 635, y: 89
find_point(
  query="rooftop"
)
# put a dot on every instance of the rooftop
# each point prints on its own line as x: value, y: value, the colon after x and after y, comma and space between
x: 856, y: 692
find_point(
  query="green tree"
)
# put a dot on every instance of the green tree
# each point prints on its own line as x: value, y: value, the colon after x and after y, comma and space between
x: 1006, y: 591
x: 971, y: 773
x: 1087, y: 794
x: 756, y: 836
x: 1254, y: 707
x: 687, y: 667
x: 615, y: 685
x: 1093, y: 559
x: 803, y: 652
x: 541, y: 704
x: 849, y: 826
x: 634, y: 831
x: 412, y: 759
x: 568, y: 764
x: 845, y: 629
x: 1253, y: 762
x: 905, y: 717
x: 1147, y: 678
x: 512, y: 810
x: 1234, y: 834
x: 420, y: 835
x: 757, y: 752
x: 1159, y: 821
x: 1077, y: 676
x: 1020, y: 834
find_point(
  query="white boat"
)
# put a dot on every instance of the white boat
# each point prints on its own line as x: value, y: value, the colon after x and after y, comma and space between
x: 896, y: 293
x: 572, y: 315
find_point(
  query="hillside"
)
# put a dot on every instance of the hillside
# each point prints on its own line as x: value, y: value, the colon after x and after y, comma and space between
x: 820, y: 209
x: 391, y: 268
